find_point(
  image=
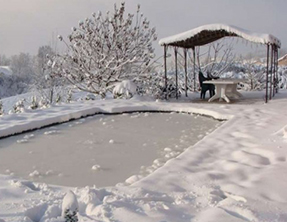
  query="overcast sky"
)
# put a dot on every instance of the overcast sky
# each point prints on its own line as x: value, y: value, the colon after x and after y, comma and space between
x: 28, y: 24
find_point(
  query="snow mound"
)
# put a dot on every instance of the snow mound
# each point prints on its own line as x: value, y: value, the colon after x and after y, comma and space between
x: 37, y: 212
x: 70, y: 202
x: 96, y: 167
x: 125, y: 89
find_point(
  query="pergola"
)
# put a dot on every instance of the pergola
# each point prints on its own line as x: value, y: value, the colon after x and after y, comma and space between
x: 209, y: 33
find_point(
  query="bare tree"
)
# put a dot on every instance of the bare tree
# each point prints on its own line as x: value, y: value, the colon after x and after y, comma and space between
x: 254, y: 76
x: 4, y: 61
x: 216, y: 59
x: 22, y: 64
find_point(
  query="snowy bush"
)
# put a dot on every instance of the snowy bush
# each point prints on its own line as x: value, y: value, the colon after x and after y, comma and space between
x: 90, y: 96
x: 18, y: 107
x: 154, y: 85
x: 44, y: 103
x: 106, y: 49
x: 34, y: 103
x: 69, y: 96
x: 126, y: 89
x: 58, y: 98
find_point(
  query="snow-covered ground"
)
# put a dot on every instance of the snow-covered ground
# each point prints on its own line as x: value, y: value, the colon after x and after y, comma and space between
x: 236, y: 173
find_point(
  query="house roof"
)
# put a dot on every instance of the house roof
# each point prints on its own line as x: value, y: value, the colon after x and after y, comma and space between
x: 212, y: 32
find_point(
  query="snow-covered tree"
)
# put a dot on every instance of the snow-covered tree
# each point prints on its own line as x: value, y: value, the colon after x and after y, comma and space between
x: 106, y: 49
x: 43, y: 84
x: 22, y: 64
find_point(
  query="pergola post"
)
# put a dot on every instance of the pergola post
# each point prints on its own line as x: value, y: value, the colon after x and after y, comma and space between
x: 193, y: 50
x: 267, y: 68
x: 165, y: 70
x: 185, y: 69
x: 176, y: 72
x: 274, y: 71
x: 275, y: 89
x: 271, y: 72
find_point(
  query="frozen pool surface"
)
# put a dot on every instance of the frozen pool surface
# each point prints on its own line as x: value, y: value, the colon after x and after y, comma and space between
x: 101, y: 150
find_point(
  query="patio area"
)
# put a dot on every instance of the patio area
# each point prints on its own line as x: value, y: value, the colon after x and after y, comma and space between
x: 207, y: 34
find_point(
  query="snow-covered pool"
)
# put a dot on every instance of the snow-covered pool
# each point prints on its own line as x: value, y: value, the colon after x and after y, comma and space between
x: 101, y: 150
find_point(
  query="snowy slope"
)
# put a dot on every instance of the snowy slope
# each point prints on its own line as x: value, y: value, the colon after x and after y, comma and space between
x: 236, y: 173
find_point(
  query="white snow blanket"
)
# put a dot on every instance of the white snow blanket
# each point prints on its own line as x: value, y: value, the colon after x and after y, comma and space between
x: 125, y: 88
x: 236, y: 173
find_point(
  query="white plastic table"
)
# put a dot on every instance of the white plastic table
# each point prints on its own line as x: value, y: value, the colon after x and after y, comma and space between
x: 224, y: 89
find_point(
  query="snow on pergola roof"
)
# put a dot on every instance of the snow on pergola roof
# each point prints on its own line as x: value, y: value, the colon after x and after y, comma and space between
x: 209, y: 33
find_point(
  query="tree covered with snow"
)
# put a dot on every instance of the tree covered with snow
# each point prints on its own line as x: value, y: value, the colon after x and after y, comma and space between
x: 106, y: 49
x: 49, y: 88
x: 22, y: 64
